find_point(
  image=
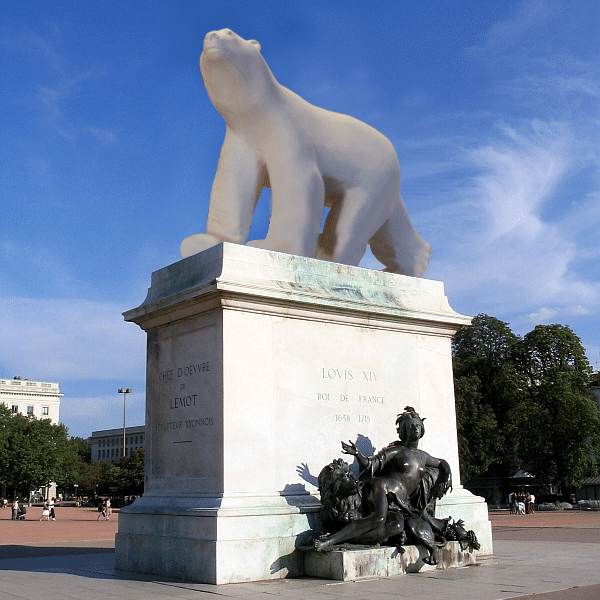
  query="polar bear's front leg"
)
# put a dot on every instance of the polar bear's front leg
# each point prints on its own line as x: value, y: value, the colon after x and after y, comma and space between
x: 235, y: 191
x: 297, y: 199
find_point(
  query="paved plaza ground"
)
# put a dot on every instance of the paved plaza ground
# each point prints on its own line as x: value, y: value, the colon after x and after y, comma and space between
x: 545, y: 556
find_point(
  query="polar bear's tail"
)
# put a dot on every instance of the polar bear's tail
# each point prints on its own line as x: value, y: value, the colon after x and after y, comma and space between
x: 399, y: 247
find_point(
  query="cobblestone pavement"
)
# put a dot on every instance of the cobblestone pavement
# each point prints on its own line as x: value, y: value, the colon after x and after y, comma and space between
x: 546, y: 556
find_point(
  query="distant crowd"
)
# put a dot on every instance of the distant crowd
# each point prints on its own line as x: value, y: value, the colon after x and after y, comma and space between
x: 521, y: 504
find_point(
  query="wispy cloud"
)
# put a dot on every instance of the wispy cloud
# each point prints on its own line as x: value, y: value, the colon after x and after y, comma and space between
x: 512, y: 28
x: 69, y: 339
x: 56, y: 81
x: 511, y: 249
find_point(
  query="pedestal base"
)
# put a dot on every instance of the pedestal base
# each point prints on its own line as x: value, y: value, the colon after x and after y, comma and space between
x: 195, y: 545
x: 351, y: 565
x: 258, y: 365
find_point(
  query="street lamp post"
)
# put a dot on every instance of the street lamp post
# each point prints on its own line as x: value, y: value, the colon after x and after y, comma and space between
x: 124, y: 391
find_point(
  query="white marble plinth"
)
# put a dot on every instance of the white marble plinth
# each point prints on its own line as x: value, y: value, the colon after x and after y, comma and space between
x: 351, y: 565
x: 258, y: 365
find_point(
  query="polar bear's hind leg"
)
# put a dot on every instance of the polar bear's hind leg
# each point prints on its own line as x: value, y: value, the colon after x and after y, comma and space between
x: 399, y: 247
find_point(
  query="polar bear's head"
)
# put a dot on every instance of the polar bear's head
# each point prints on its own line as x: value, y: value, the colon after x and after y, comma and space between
x: 233, y: 70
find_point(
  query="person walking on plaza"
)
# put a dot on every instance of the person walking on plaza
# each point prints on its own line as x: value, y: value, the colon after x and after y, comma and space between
x: 4, y: 502
x: 45, y: 511
x: 104, y: 509
x: 51, y: 507
x: 15, y: 508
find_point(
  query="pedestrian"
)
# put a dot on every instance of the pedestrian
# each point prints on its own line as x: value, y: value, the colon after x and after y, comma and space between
x: 15, y: 509
x: 51, y: 507
x: 532, y: 503
x: 107, y: 507
x: 101, y: 509
x: 45, y: 511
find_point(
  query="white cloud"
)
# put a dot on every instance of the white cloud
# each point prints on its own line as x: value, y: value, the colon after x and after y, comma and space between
x: 69, y: 339
x: 544, y: 315
x: 82, y: 415
x: 520, y: 173
x: 511, y: 249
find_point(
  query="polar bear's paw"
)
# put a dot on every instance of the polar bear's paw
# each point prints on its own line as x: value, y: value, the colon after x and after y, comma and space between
x: 198, y: 243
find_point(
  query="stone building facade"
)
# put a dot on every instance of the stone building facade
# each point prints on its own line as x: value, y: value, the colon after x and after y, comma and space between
x: 27, y: 397
x: 107, y: 445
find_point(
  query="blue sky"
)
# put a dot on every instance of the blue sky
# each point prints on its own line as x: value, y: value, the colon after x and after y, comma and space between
x: 109, y: 145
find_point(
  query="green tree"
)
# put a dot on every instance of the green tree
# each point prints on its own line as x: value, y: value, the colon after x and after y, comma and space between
x: 5, y: 416
x: 488, y: 391
x: 83, y: 448
x: 559, y: 433
x: 90, y: 476
x: 111, y: 480
x: 35, y: 452
x: 133, y: 474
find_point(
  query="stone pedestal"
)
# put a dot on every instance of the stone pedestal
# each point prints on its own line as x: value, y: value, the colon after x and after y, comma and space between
x: 353, y: 565
x: 259, y: 364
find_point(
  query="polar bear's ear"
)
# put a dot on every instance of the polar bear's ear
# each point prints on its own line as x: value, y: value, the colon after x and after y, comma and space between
x: 255, y: 43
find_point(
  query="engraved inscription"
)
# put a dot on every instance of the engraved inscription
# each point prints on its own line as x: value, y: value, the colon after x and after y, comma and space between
x: 195, y: 369
x: 168, y: 426
x: 165, y: 375
x: 351, y: 380
x: 342, y: 418
x: 372, y: 399
x: 207, y: 421
x: 345, y: 374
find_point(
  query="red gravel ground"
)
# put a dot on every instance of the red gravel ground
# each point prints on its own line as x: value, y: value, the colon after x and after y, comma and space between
x: 74, y: 526
x: 80, y: 527
x: 550, y: 526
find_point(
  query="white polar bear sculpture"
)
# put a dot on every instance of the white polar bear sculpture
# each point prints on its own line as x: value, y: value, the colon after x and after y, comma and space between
x: 310, y: 158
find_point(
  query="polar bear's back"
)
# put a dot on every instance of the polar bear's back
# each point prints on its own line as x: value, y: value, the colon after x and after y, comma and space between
x: 345, y: 148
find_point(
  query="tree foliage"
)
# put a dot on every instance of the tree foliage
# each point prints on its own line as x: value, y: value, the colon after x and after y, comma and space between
x: 524, y: 403
x: 34, y: 452
x: 488, y: 391
x: 559, y: 436
x: 133, y: 474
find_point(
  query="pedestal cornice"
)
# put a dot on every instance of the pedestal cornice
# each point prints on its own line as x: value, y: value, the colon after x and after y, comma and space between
x: 251, y: 279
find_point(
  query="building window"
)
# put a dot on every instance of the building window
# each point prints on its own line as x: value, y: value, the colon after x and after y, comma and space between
x: 45, y: 410
x: 15, y: 382
x: 30, y: 410
x: 98, y: 454
x: 15, y: 408
x: 136, y: 438
x: 141, y: 439
x: 103, y: 453
x: 46, y: 385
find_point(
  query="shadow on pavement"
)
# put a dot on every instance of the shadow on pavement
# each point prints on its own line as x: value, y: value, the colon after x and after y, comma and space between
x: 16, y: 551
